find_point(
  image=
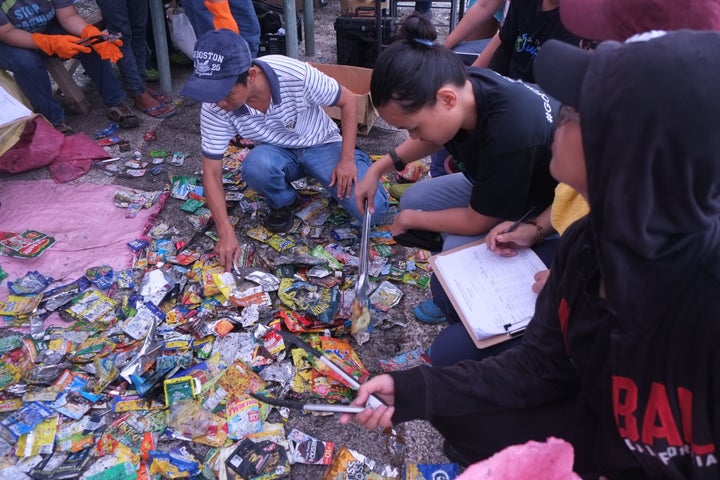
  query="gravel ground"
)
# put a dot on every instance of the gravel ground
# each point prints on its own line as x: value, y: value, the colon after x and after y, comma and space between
x: 181, y: 133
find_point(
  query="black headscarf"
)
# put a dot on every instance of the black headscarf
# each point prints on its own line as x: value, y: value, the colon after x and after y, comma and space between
x: 650, y: 115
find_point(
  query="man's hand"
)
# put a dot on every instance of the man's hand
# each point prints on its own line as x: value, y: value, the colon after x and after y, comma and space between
x: 344, y: 175
x: 227, y: 250
x: 507, y: 244
x: 106, y: 50
x: 64, y: 46
x: 383, y: 387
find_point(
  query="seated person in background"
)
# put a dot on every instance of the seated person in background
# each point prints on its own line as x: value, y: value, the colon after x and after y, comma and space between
x: 527, y: 25
x: 479, y: 24
x: 276, y: 102
x: 130, y: 18
x: 621, y: 354
x: 32, y: 29
x: 236, y: 15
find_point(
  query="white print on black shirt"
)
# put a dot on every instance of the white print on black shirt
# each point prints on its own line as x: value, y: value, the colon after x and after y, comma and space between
x: 545, y: 99
x: 647, y: 428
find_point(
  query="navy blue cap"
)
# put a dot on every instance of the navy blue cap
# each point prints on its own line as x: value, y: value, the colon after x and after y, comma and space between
x: 560, y: 68
x: 220, y: 57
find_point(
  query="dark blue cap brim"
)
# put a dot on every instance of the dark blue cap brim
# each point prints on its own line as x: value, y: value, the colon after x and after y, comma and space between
x: 207, y: 90
x: 560, y: 69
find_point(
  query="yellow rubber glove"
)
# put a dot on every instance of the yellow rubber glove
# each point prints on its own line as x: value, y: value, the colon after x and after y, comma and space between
x: 106, y: 50
x: 64, y: 46
x: 222, y: 18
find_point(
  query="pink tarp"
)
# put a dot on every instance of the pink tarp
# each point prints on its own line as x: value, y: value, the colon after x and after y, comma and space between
x: 89, y: 229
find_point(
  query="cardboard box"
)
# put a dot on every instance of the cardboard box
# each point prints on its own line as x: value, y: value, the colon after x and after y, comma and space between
x: 357, y: 80
x: 349, y: 7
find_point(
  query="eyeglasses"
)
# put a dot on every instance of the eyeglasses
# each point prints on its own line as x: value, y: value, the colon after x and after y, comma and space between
x: 565, y: 114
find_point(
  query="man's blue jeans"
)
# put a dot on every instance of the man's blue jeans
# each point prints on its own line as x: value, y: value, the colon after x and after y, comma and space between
x: 130, y: 18
x: 30, y: 72
x: 269, y: 169
x: 242, y: 11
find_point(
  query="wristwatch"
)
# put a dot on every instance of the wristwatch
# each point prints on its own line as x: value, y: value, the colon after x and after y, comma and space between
x: 397, y: 161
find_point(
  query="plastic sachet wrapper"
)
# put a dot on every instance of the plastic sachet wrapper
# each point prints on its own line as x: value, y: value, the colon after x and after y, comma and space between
x: 307, y: 449
x: 156, y: 284
x: 385, y: 296
x: 315, y: 213
x: 32, y: 283
x: 27, y: 244
x: 348, y: 463
x: 266, y: 280
x: 265, y: 459
x: 318, y: 302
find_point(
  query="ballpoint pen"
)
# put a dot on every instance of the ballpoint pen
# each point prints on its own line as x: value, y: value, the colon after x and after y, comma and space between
x: 520, y: 220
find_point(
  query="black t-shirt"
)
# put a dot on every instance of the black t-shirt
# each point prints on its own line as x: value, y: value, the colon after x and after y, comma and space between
x: 526, y: 27
x: 507, y: 156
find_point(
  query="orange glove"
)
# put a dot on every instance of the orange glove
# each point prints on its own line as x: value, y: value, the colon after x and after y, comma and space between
x: 106, y: 50
x: 222, y: 18
x: 64, y: 46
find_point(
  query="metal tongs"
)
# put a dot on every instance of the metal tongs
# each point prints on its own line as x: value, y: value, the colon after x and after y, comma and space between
x: 109, y: 37
x: 360, y: 310
x: 349, y: 380
x: 308, y: 407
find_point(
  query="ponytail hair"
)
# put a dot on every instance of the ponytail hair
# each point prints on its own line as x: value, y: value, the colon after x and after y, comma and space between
x: 413, y: 68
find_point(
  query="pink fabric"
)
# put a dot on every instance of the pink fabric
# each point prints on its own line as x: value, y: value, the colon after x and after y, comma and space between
x: 41, y: 145
x: 549, y: 460
x: 75, y: 157
x: 89, y: 229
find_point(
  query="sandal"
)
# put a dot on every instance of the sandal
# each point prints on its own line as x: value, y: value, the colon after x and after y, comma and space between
x: 123, y: 115
x: 428, y: 312
x: 161, y: 97
x: 161, y: 111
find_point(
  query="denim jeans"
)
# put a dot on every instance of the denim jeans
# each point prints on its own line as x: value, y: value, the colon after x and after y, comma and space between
x: 269, y: 169
x: 130, y: 18
x: 441, y: 193
x: 242, y: 11
x: 30, y: 72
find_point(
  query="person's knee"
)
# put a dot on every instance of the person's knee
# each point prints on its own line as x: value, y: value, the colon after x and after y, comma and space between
x: 413, y: 198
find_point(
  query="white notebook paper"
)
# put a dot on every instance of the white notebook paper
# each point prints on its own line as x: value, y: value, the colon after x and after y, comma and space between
x: 492, y: 294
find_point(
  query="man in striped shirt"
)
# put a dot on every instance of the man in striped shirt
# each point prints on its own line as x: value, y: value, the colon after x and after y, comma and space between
x: 277, y: 103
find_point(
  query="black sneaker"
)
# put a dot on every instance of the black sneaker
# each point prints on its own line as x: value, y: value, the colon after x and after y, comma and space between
x: 279, y: 220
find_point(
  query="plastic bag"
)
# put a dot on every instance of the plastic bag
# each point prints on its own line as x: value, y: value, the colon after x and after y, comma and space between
x: 181, y: 31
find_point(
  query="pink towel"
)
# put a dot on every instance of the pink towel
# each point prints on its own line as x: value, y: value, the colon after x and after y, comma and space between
x: 89, y: 229
x: 550, y: 460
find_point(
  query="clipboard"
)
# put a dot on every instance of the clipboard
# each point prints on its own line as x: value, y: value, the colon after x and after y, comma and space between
x: 489, y: 292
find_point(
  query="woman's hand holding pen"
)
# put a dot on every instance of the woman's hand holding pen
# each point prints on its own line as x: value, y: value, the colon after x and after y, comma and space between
x: 506, y: 243
x: 383, y: 387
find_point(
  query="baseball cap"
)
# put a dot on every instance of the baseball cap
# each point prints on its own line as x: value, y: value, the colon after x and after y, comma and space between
x: 560, y: 69
x: 621, y: 19
x: 220, y: 57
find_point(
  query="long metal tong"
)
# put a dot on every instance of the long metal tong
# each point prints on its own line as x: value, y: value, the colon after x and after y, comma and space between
x: 360, y: 310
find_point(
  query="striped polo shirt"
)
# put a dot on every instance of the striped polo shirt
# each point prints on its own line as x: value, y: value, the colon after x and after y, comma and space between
x: 295, y: 117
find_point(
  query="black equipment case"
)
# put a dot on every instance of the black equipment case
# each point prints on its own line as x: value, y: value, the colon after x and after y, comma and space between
x: 361, y: 37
